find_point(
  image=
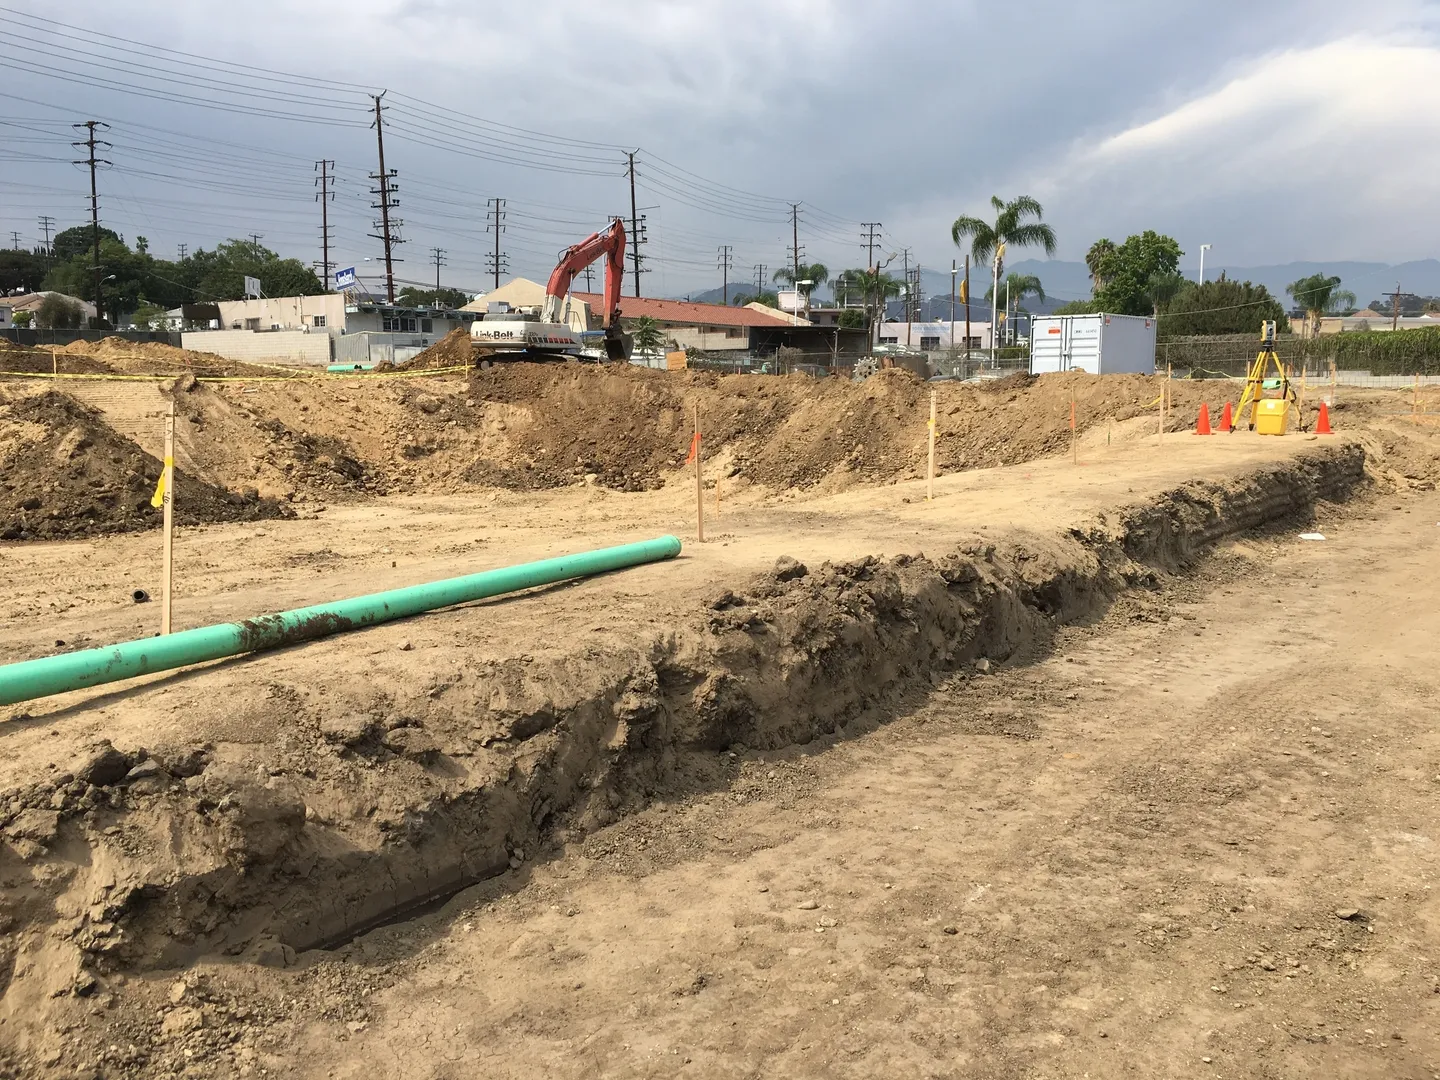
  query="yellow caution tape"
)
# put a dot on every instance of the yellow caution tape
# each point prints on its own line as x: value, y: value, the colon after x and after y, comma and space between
x: 158, y: 499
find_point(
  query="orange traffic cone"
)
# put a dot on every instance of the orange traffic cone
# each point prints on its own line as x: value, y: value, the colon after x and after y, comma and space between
x: 1225, y: 420
x: 1202, y: 424
x: 1322, y: 424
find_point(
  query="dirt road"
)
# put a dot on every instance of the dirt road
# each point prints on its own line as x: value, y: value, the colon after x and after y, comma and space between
x: 1198, y: 840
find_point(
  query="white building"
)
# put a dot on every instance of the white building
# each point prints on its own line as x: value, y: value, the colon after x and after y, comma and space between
x: 6, y: 319
x: 932, y: 336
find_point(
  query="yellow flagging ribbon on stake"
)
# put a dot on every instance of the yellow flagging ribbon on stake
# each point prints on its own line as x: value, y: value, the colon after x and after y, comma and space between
x: 158, y: 499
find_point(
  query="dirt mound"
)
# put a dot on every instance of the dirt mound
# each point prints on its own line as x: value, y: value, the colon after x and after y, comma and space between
x: 629, y: 426
x: 65, y: 473
x: 453, y: 350
x: 157, y: 357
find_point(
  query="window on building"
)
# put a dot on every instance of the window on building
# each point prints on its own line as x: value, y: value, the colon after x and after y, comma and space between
x: 252, y: 324
x: 929, y: 343
x: 427, y: 326
x: 735, y: 332
x: 317, y: 321
x: 889, y: 341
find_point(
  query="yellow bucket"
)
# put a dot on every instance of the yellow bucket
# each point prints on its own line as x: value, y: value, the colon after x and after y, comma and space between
x: 1270, y: 416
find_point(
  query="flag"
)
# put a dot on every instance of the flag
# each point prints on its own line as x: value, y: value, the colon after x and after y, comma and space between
x: 694, y: 447
x: 158, y: 499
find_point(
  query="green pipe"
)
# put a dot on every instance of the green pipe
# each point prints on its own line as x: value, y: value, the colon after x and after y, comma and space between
x: 91, y: 667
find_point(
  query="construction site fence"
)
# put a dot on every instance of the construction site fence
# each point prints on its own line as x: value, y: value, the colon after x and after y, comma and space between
x: 42, y: 338
x: 1376, y: 353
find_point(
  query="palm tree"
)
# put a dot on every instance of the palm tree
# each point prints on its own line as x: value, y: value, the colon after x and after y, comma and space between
x: 1019, y: 286
x: 814, y: 273
x: 1095, y: 258
x: 988, y: 240
x: 874, y: 286
x: 769, y: 299
x: 1318, y: 294
x: 1164, y: 287
x: 647, y: 333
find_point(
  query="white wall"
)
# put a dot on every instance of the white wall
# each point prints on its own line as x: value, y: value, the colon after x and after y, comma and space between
x: 5, y: 321
x: 286, y: 312
x: 896, y: 330
x: 274, y: 347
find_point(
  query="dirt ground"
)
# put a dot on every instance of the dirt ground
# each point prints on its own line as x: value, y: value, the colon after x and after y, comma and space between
x: 1196, y: 839
x: 1003, y: 784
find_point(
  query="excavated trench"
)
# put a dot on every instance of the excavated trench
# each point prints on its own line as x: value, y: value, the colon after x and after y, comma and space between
x: 193, y: 857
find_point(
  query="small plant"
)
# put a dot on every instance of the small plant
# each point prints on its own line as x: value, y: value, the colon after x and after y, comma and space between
x: 646, y: 332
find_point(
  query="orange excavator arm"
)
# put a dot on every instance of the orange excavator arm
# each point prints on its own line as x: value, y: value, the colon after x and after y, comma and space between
x: 610, y: 242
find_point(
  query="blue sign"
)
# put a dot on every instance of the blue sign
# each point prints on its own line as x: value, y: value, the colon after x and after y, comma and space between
x: 345, y: 279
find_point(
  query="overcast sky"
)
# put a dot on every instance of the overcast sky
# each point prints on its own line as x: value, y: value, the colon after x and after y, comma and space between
x: 1275, y: 130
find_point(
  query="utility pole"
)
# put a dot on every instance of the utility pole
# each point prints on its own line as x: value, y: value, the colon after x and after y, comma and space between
x: 760, y: 269
x: 967, y: 307
x: 795, y: 247
x: 495, y: 220
x: 905, y: 253
x: 91, y: 144
x: 386, y: 191
x: 46, y: 224
x: 256, y: 237
x: 724, y: 267
x: 1395, y: 307
x: 15, y: 239
x: 182, y: 251
x: 324, y: 197
x: 439, y: 255
x: 872, y: 229
x: 635, y: 238
x: 589, y: 281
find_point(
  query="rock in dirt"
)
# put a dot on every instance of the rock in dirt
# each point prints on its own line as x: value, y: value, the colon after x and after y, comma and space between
x: 270, y: 952
x: 982, y: 666
x: 1349, y: 914
x: 37, y: 826
x: 807, y: 905
x: 788, y: 569
x: 104, y: 766
x: 412, y: 743
x: 347, y: 730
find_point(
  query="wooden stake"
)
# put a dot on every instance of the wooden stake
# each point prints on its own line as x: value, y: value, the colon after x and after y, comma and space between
x: 699, y: 484
x: 167, y: 566
x: 930, y: 470
x: 1160, y: 435
x: 54, y: 361
x: 1074, y: 445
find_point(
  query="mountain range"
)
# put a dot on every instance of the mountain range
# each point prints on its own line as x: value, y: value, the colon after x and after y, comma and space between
x: 1066, y: 281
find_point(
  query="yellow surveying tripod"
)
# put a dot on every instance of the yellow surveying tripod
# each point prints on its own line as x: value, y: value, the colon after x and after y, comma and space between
x: 1268, y: 416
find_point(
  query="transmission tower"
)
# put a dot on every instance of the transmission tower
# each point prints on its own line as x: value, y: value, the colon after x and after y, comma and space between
x: 47, y: 223
x: 438, y: 254
x: 726, y: 261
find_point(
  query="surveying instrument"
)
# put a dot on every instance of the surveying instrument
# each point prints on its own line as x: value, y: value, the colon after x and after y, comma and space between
x: 1268, y: 415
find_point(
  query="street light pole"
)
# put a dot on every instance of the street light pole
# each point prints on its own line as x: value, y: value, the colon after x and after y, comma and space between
x: 954, y: 269
x: 1203, y: 248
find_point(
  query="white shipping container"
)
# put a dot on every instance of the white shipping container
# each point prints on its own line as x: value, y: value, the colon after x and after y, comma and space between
x: 1099, y: 344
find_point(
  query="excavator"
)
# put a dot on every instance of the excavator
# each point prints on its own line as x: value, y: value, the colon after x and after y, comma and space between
x: 522, y: 335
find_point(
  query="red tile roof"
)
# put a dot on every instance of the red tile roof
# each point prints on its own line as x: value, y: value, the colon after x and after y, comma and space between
x: 684, y: 313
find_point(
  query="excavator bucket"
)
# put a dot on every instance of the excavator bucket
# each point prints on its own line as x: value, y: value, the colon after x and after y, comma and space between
x: 618, y: 344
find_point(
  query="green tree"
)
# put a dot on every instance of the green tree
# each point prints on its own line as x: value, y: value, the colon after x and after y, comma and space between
x: 22, y: 271
x: 1163, y: 287
x: 410, y: 296
x: 148, y: 316
x: 769, y: 299
x: 22, y: 319
x: 58, y: 313
x: 647, y: 333
x: 1012, y: 227
x: 78, y: 240
x: 874, y: 287
x: 1079, y: 307
x: 1219, y: 307
x: 815, y: 273
x: 1134, y: 274
x: 1317, y: 295
x: 853, y: 319
x: 220, y: 274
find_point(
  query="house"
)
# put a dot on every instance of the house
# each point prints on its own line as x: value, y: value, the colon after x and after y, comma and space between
x: 932, y: 336
x: 7, y: 322
x: 31, y: 302
x: 318, y: 330
x: 707, y: 327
